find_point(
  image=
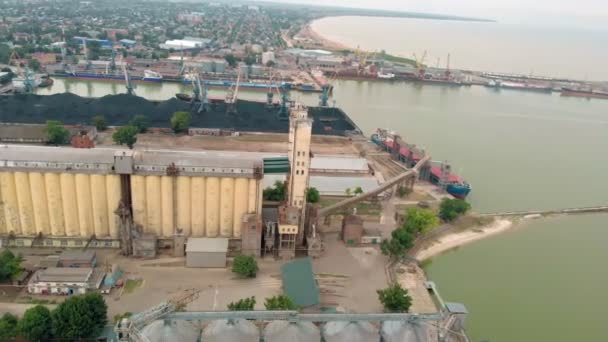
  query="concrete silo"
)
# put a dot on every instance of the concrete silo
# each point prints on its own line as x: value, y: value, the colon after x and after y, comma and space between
x: 278, y: 331
x: 169, y: 331
x: 403, y: 331
x: 231, y: 330
x: 350, y: 332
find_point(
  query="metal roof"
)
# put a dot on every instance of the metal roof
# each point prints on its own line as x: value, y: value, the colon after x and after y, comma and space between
x: 237, y: 330
x: 299, y: 282
x: 63, y: 274
x: 207, y: 245
x: 456, y: 308
x: 337, y: 185
x: 350, y: 331
x: 77, y: 255
x: 339, y: 163
x: 169, y: 331
x: 279, y: 331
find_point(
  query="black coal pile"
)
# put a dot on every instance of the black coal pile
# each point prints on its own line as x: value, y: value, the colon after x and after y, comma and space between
x: 119, y: 109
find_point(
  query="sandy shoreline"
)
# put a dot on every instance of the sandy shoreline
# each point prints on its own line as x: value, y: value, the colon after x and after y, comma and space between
x: 322, y: 42
x: 454, y: 240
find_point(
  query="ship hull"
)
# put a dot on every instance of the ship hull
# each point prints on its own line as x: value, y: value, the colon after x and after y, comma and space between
x: 459, y: 191
x: 585, y: 94
x: 112, y: 78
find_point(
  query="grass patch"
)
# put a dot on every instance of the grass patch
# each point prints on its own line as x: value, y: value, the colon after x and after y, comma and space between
x: 132, y: 284
x: 472, y: 221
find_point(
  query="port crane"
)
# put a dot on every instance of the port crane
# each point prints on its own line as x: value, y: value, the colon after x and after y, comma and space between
x: 199, y: 92
x: 64, y: 54
x: 327, y: 89
x: 283, y: 113
x: 130, y: 86
x: 269, y: 93
x: 29, y: 82
x: 448, y: 72
x: 420, y: 65
x: 232, y: 94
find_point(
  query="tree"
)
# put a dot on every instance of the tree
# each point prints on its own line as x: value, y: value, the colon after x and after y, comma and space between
x: 450, y: 209
x: 75, y: 318
x: 249, y: 59
x: 231, y: 60
x: 403, y: 191
x: 312, y: 195
x: 36, y: 324
x: 5, y: 53
x: 140, y: 122
x: 99, y: 121
x: 395, y: 298
x: 392, y: 248
x: 277, y: 193
x: 358, y: 191
x: 10, y: 265
x: 270, y: 64
x: 125, y: 135
x: 56, y: 134
x: 280, y: 302
x: 180, y: 121
x: 348, y: 192
x: 98, y: 308
x: 418, y: 220
x: 8, y: 327
x: 245, y: 266
x: 33, y: 64
x: 245, y: 304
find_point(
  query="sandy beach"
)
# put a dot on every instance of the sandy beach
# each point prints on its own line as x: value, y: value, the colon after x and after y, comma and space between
x: 454, y: 240
x: 319, y: 41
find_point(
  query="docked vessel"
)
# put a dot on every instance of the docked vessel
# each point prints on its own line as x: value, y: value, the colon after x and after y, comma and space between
x: 104, y: 74
x: 520, y: 86
x: 586, y: 93
x: 386, y: 75
x: 459, y: 189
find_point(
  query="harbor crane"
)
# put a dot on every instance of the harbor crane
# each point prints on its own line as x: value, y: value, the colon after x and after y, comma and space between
x: 420, y: 65
x: 327, y: 89
x: 283, y: 113
x: 269, y: 93
x: 448, y: 72
x: 27, y: 76
x: 199, y: 92
x: 130, y: 86
x: 232, y: 94
x: 64, y: 54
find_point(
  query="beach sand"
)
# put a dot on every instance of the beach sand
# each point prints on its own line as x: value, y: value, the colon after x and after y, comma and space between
x: 454, y: 240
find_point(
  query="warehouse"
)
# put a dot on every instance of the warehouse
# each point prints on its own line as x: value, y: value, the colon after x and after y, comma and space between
x: 205, y: 252
x: 63, y: 280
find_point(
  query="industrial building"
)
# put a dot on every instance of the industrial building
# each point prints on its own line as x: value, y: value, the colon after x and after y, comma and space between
x: 206, y: 252
x: 64, y: 281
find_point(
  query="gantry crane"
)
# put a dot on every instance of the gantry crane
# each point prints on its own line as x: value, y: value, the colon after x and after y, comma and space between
x: 199, y: 92
x: 327, y: 89
x: 232, y: 94
x: 420, y: 65
x: 130, y: 86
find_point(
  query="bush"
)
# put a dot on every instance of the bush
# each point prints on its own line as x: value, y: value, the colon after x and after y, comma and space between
x: 245, y: 304
x: 395, y: 298
x: 401, y: 240
x: 56, y: 134
x: 358, y: 191
x: 276, y: 193
x: 312, y: 195
x: 8, y: 327
x: 80, y: 317
x: 403, y: 191
x: 140, y: 122
x: 451, y: 209
x: 245, y: 266
x: 125, y: 135
x: 99, y: 122
x: 180, y: 121
x: 280, y: 302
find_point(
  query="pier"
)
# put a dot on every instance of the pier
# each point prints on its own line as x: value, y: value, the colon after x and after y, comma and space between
x: 568, y: 211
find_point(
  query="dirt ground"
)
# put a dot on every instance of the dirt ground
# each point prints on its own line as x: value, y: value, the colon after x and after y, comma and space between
x: 263, y: 142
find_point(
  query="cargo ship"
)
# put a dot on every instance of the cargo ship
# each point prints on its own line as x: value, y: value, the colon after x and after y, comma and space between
x: 520, y: 86
x: 587, y: 93
x: 118, y: 76
x: 438, y: 173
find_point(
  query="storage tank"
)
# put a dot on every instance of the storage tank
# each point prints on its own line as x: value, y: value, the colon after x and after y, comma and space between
x: 70, y: 207
x: 10, y: 203
x: 278, y: 331
x: 212, y: 210
x: 402, y: 331
x: 183, y: 204
x: 54, y: 201
x: 166, y: 183
x: 39, y: 203
x: 170, y: 331
x: 232, y: 330
x: 350, y: 332
x: 198, y: 206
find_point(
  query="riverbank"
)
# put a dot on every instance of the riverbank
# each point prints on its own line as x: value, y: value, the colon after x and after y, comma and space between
x: 457, y: 239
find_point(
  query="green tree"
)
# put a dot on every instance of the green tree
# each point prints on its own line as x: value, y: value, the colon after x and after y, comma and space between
x: 348, y: 192
x: 140, y: 122
x: 358, y: 191
x: 98, y: 308
x: 5, y: 53
x: 276, y: 193
x: 270, y: 64
x: 36, y: 324
x: 392, y: 248
x: 231, y: 60
x: 419, y: 220
x: 245, y: 304
x: 312, y: 195
x: 280, y: 302
x: 99, y: 121
x: 56, y: 134
x: 10, y: 265
x: 75, y: 319
x: 451, y: 209
x: 245, y: 266
x: 125, y: 135
x: 395, y: 298
x: 8, y: 327
x: 180, y: 121
x: 33, y: 64
x: 403, y: 191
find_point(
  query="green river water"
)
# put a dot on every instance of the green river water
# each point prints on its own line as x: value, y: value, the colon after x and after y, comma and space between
x: 545, y: 280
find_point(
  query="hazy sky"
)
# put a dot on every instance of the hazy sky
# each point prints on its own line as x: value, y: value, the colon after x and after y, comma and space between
x: 590, y: 13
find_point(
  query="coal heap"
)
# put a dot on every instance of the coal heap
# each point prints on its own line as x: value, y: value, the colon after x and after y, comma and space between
x: 119, y: 109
